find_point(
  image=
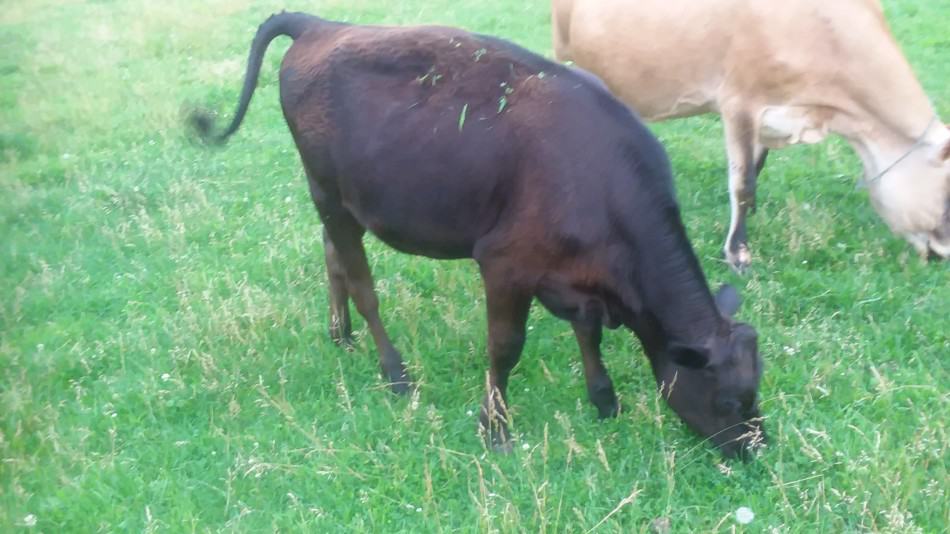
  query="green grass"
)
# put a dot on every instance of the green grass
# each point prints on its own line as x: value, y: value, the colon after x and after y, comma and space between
x: 164, y: 358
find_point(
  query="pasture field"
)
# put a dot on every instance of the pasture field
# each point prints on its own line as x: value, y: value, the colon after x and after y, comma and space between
x: 164, y: 358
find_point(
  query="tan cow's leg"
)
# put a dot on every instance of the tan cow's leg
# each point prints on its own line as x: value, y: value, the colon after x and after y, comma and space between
x: 561, y: 28
x: 746, y: 159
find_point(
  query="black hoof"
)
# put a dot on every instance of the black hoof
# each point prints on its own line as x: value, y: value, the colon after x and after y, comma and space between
x: 398, y: 376
x: 342, y: 336
x: 401, y: 387
x: 609, y: 411
x: 503, y: 448
x: 605, y: 400
x: 344, y: 342
x: 496, y: 433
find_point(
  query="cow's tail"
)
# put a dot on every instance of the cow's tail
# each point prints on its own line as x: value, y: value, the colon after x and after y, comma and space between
x: 290, y: 24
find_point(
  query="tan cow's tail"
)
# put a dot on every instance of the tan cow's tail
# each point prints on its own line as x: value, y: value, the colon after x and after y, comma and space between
x: 561, y: 28
x: 290, y: 24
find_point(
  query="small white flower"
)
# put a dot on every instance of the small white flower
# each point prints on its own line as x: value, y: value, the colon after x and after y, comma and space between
x: 29, y: 520
x: 418, y: 510
x: 469, y: 413
x: 166, y: 377
x: 744, y: 515
x: 525, y: 446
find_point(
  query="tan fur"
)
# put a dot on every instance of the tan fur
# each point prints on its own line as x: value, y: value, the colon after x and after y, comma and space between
x: 787, y: 72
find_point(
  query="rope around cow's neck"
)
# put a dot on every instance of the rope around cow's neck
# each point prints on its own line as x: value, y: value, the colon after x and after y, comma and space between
x: 917, y: 144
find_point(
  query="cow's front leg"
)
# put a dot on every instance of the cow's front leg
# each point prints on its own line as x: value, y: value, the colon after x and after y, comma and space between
x: 746, y: 159
x: 600, y: 389
x: 507, y: 306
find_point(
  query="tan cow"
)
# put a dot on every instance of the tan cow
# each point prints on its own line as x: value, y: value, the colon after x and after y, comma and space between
x: 779, y: 73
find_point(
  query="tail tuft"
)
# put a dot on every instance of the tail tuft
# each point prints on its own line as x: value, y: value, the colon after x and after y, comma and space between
x: 201, y: 123
x: 291, y: 24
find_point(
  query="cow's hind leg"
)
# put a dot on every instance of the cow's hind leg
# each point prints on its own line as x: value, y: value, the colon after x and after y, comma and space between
x: 746, y: 159
x: 348, y: 257
x: 600, y: 389
x: 341, y: 330
x: 508, y: 307
x: 761, y: 154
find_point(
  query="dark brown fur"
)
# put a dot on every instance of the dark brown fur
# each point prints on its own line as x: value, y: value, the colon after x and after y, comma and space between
x: 454, y: 145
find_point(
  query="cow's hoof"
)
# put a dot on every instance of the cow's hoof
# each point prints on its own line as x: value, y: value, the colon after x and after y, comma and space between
x: 609, y: 411
x: 505, y: 447
x: 740, y: 259
x: 341, y: 333
x: 341, y: 339
x: 402, y: 387
x: 398, y: 376
x: 494, y: 428
x: 605, y: 400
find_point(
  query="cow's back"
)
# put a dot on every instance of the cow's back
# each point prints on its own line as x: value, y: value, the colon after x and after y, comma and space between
x: 669, y: 58
x: 453, y: 128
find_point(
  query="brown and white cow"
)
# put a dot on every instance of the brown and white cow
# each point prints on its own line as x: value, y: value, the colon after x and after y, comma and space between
x: 779, y: 73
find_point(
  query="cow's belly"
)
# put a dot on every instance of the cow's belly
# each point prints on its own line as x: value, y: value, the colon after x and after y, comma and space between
x: 409, y: 237
x: 655, y: 93
x: 662, y: 61
x: 668, y: 102
x: 421, y: 219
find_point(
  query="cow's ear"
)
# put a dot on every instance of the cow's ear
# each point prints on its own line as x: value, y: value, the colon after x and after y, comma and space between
x: 728, y: 300
x: 946, y: 150
x: 688, y: 356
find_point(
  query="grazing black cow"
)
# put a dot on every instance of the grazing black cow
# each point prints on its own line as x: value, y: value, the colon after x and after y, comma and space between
x: 453, y: 145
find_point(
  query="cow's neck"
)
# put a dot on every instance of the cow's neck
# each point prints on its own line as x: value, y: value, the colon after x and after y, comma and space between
x: 671, y: 283
x: 883, y: 112
x: 883, y: 146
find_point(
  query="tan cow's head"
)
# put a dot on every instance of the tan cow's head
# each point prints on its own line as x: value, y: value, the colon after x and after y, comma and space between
x: 913, y: 198
x: 939, y: 240
x: 940, y: 243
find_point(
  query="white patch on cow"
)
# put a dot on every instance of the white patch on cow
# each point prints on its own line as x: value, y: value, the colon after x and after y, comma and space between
x: 780, y: 126
x: 941, y: 249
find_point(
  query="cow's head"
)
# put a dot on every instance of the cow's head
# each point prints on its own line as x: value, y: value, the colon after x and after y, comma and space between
x: 913, y: 198
x: 714, y: 386
x: 939, y: 243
